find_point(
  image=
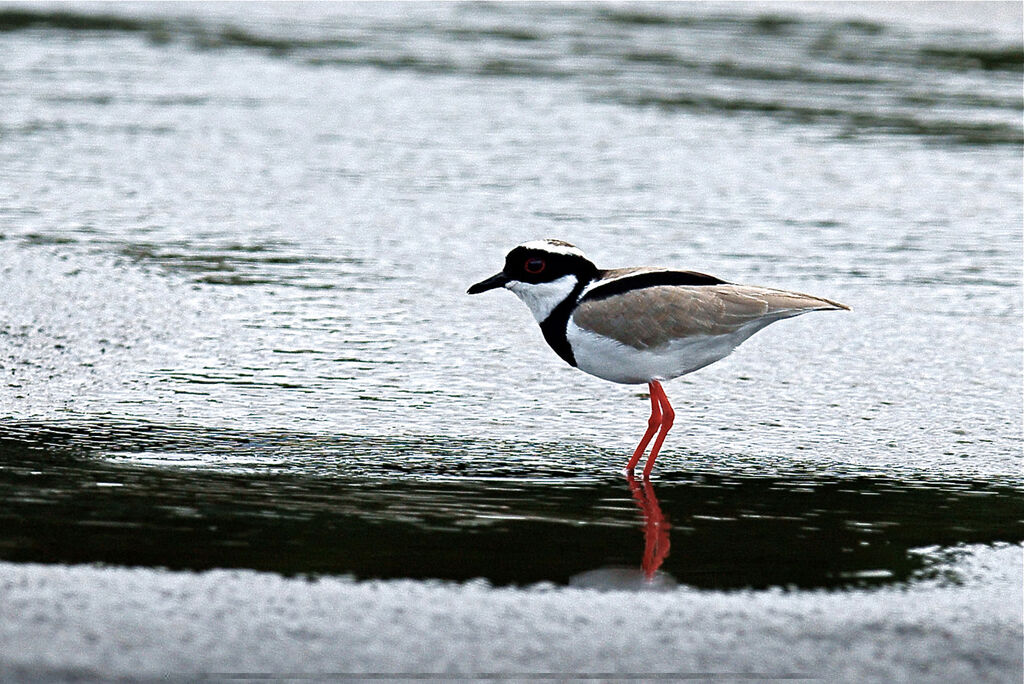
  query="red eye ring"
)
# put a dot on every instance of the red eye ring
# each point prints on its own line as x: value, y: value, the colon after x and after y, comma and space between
x: 534, y: 265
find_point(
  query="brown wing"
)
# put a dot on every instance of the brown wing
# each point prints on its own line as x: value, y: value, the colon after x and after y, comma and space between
x: 652, y: 316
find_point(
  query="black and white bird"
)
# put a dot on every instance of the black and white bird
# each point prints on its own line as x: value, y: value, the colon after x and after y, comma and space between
x: 639, y: 325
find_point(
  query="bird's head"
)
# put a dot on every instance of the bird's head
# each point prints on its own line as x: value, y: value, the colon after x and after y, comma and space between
x: 542, y: 273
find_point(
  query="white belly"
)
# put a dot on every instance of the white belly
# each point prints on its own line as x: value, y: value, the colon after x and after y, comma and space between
x: 617, y: 362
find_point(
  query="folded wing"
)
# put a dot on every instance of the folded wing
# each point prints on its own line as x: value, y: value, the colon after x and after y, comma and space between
x: 652, y: 316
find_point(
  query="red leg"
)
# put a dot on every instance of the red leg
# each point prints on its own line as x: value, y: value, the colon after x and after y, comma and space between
x: 656, y: 539
x: 653, y: 423
x: 668, y: 415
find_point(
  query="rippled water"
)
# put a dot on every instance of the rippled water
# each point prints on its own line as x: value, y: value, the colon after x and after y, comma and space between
x: 235, y: 242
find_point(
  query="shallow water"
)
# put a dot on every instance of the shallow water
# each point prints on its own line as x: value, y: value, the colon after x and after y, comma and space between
x: 235, y: 242
x: 429, y: 507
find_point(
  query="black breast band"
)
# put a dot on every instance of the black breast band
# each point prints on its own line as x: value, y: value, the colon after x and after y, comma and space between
x: 555, y: 325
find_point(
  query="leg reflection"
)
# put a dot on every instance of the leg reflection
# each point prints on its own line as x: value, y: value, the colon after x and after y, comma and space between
x: 656, y: 527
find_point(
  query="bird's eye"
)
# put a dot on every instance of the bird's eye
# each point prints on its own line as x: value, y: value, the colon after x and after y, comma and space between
x: 534, y: 266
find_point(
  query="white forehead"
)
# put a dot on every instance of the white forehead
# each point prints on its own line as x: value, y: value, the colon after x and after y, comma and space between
x: 555, y: 247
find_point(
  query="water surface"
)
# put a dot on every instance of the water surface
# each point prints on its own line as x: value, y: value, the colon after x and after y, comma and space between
x: 235, y: 242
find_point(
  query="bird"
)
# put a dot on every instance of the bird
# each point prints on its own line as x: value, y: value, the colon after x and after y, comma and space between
x: 639, y: 325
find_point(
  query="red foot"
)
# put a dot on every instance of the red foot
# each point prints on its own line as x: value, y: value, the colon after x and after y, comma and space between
x: 662, y: 417
x: 653, y: 423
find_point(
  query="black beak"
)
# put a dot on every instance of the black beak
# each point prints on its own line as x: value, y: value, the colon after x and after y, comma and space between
x: 498, y: 280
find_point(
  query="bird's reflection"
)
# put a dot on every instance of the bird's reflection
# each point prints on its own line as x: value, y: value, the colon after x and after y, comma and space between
x: 656, y: 546
x: 656, y: 527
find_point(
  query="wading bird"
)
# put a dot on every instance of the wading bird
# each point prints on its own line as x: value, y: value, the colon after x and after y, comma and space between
x: 639, y: 325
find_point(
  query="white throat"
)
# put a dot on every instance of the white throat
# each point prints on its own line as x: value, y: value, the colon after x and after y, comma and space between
x: 542, y: 298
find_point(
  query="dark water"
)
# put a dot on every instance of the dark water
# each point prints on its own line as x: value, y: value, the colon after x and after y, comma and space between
x: 235, y: 241
x: 428, y: 508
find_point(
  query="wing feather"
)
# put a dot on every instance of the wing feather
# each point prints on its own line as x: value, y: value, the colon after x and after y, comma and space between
x: 653, y: 316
